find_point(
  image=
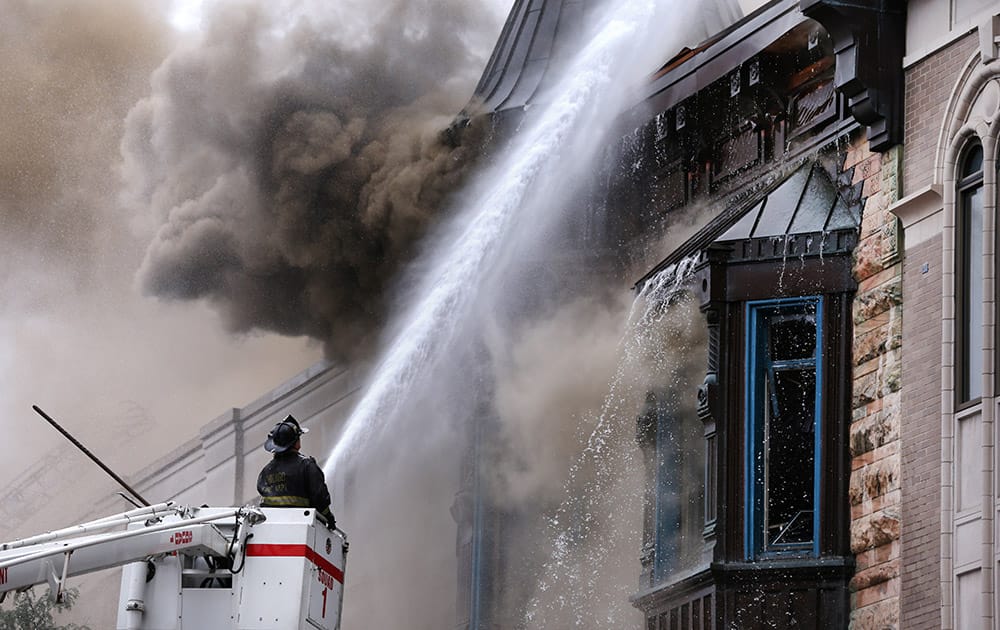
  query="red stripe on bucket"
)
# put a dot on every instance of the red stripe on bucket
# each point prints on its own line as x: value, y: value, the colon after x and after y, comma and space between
x: 295, y: 551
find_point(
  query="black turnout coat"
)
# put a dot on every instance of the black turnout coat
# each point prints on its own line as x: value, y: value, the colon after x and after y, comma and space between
x: 291, y: 479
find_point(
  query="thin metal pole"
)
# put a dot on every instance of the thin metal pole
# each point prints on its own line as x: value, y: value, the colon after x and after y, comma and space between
x: 86, y: 452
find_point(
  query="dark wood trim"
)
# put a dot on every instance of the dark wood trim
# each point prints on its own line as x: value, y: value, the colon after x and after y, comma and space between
x: 660, y: 597
x: 837, y: 402
x: 869, y: 39
x: 793, y: 277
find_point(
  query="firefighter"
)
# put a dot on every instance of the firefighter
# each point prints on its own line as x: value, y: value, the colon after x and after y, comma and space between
x: 292, y: 479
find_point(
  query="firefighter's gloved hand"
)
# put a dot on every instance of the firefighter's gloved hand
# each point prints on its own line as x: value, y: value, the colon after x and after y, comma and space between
x: 330, y: 521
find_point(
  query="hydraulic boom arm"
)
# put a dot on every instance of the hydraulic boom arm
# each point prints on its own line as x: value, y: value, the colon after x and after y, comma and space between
x: 77, y: 550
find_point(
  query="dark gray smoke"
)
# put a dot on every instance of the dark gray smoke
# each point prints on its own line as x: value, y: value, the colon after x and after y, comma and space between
x: 287, y: 165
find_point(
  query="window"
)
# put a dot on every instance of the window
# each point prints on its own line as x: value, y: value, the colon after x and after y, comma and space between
x: 782, y: 432
x: 679, y: 489
x: 970, y: 264
x: 669, y: 503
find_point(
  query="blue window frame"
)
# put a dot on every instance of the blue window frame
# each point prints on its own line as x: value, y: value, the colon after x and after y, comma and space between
x: 783, y: 421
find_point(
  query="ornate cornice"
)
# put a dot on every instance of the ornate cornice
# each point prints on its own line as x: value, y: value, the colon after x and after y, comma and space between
x: 869, y: 38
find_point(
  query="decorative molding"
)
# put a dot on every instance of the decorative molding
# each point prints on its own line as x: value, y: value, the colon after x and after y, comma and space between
x: 915, y: 212
x: 892, y: 243
x: 989, y: 37
x: 918, y: 205
x: 892, y: 233
x: 869, y: 40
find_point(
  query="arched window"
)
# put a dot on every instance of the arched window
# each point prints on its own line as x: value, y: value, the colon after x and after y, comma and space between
x: 970, y: 265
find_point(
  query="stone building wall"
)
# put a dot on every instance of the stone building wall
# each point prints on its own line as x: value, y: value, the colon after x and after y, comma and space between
x: 875, y: 488
x: 895, y: 437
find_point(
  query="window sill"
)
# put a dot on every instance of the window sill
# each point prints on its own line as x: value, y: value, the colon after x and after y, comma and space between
x: 827, y: 567
x: 920, y: 213
x: 967, y: 405
x: 673, y: 589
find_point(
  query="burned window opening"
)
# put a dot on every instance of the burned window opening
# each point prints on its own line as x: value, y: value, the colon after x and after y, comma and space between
x: 782, y: 414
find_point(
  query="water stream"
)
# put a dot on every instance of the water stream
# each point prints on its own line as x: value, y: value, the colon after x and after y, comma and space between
x: 460, y: 330
x: 568, y: 129
x: 587, y: 579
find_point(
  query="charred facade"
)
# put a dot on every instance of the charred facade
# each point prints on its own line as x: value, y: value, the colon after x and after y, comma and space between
x: 762, y: 144
x: 748, y: 514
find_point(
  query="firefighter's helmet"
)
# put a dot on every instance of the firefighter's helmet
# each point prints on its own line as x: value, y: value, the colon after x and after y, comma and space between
x: 284, y: 435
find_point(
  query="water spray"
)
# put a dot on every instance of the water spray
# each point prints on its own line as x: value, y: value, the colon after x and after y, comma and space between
x: 458, y: 272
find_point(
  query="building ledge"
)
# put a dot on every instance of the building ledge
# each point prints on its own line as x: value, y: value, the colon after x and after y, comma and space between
x: 920, y: 214
x: 825, y: 568
x: 656, y: 596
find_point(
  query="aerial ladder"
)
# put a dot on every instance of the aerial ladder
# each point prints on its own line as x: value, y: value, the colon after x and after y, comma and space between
x: 197, y: 568
x: 194, y: 568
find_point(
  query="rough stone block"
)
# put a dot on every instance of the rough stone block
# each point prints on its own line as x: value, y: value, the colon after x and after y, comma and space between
x: 870, y: 344
x: 874, y: 480
x: 879, y: 321
x: 873, y: 216
x: 876, y: 384
x: 856, y: 154
x: 868, y: 257
x: 883, y: 615
x: 889, y: 500
x: 873, y: 185
x: 877, y: 429
x: 876, y: 530
x: 868, y: 168
x: 882, y: 591
x: 892, y: 448
x: 878, y: 300
x: 885, y: 276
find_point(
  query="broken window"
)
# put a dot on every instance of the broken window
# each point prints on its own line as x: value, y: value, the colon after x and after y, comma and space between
x: 783, y: 406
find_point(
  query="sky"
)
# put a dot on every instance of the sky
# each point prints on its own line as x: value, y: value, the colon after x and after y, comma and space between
x: 185, y: 15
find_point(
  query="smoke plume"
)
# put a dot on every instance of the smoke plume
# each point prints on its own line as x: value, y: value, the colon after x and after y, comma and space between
x: 287, y: 160
x: 75, y: 338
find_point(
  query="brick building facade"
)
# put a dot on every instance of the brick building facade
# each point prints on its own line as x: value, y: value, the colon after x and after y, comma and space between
x: 921, y: 440
x: 920, y: 437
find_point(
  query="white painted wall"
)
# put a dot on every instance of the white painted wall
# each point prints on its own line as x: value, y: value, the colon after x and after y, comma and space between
x: 933, y: 24
x: 749, y: 6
